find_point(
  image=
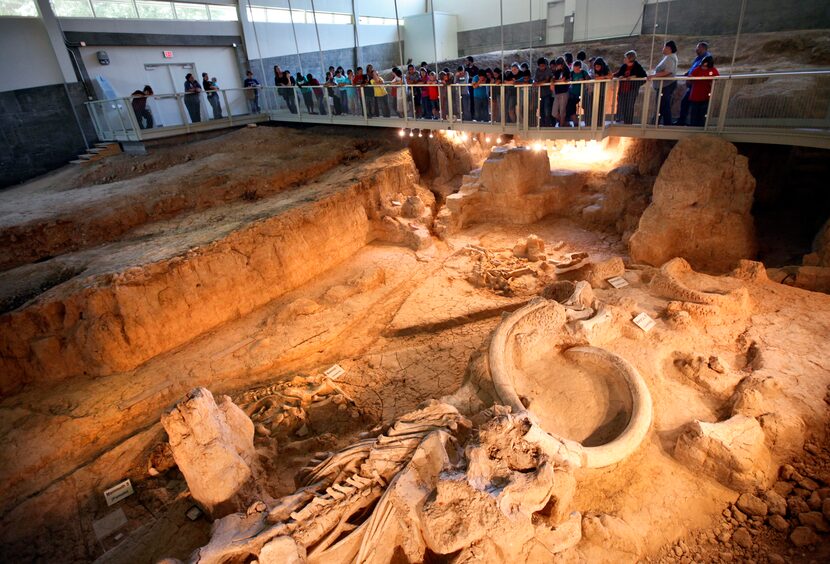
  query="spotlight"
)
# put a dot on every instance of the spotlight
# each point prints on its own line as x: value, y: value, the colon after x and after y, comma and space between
x: 412, y: 134
x: 537, y: 146
x: 401, y: 133
x: 431, y: 134
x: 420, y: 134
x: 487, y: 139
x: 464, y: 137
x: 498, y: 139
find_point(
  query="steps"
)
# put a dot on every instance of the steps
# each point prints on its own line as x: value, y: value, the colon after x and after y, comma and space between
x: 98, y: 152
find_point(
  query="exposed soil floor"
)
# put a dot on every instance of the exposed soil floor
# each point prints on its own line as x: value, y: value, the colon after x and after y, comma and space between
x: 402, y: 323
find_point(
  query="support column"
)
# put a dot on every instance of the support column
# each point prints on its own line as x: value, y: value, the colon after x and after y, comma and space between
x: 53, y: 30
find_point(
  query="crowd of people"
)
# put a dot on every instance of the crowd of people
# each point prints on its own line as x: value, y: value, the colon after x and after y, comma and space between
x: 566, y: 89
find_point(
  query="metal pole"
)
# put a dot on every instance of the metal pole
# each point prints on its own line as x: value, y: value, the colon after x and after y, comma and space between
x: 319, y: 45
x: 653, y: 34
x: 434, y: 41
x: 530, y: 26
x: 737, y: 36
x: 501, y: 27
x: 356, y: 36
x: 398, y: 31
x: 296, y: 43
x: 256, y: 40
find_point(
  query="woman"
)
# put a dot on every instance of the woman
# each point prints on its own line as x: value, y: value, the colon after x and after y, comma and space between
x: 423, y: 94
x: 210, y: 86
x: 331, y: 87
x: 667, y: 67
x: 396, y: 93
x: 286, y: 82
x: 495, y: 77
x: 307, y: 95
x: 369, y: 93
x: 380, y: 98
x: 701, y: 91
x: 342, y: 83
x: 481, y: 97
x: 600, y: 72
x: 629, y: 75
x: 191, y: 98
x: 351, y: 93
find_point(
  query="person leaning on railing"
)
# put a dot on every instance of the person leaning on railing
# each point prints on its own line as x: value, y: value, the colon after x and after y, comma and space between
x: 191, y: 98
x: 575, y: 93
x: 463, y: 100
x: 210, y: 86
x: 285, y: 83
x: 369, y: 93
x: 701, y: 91
x: 342, y: 81
x: 667, y: 67
x: 314, y: 85
x: 600, y: 72
x: 252, y: 91
x: 139, y: 103
x: 396, y: 92
x: 560, y: 77
x: 702, y: 51
x: 380, y: 98
x: 542, y: 79
x: 629, y: 74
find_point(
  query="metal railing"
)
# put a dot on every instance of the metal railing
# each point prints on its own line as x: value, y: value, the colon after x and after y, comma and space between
x: 788, y: 107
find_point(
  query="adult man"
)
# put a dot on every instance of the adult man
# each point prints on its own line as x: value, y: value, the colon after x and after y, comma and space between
x: 212, y: 95
x: 191, y: 98
x: 542, y: 80
x: 702, y: 51
x: 253, y: 94
x: 472, y: 71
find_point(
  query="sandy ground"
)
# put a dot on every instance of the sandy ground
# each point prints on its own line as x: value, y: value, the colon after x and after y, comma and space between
x: 403, y: 324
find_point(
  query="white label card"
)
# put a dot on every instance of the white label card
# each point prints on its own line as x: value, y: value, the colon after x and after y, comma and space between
x: 334, y: 372
x: 618, y: 282
x: 118, y: 492
x: 644, y: 322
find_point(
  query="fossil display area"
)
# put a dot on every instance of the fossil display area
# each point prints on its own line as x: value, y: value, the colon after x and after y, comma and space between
x: 326, y: 346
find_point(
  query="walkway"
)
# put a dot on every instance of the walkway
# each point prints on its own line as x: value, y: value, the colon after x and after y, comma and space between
x: 789, y: 108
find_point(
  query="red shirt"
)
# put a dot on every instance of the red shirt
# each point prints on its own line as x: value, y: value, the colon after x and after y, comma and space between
x: 702, y: 88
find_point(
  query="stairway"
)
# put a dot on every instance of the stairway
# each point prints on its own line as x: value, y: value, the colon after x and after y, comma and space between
x: 98, y: 152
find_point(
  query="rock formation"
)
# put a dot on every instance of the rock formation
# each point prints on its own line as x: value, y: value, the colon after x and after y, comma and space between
x: 213, y: 445
x: 700, y: 208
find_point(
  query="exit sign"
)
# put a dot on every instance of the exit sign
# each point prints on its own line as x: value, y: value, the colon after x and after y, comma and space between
x: 167, y: 54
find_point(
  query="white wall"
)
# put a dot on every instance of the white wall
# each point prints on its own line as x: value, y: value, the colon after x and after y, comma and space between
x: 598, y: 19
x: 126, y: 71
x: 446, y: 36
x: 27, y: 58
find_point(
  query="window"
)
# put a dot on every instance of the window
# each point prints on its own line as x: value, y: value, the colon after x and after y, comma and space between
x: 192, y: 12
x: 222, y: 13
x: 283, y: 15
x: 370, y: 20
x: 136, y: 9
x: 118, y: 9
x: 155, y: 10
x: 23, y: 8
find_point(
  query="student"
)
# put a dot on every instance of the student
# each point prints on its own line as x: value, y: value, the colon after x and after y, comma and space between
x: 212, y: 95
x: 352, y: 93
x: 191, y: 98
x: 369, y: 93
x: 139, y: 103
x: 423, y: 94
x: 629, y: 75
x: 666, y: 68
x: 444, y: 80
x: 312, y: 82
x: 413, y: 94
x: 331, y: 90
x: 542, y: 79
x: 253, y: 93
x: 308, y: 97
x: 433, y: 93
x: 358, y: 80
x: 509, y: 79
x: 561, y: 91
x: 472, y: 72
x: 342, y: 83
x: 701, y: 91
x: 396, y: 93
x: 576, y: 92
x: 285, y: 82
x: 480, y: 97
x: 525, y: 78
x: 495, y: 77
x: 380, y: 98
x: 600, y: 72
x: 463, y: 100
x: 569, y: 60
x: 581, y: 56
x: 702, y: 51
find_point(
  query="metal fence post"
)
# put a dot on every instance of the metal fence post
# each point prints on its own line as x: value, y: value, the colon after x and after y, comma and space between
x: 363, y: 103
x: 450, y: 109
x: 724, y: 106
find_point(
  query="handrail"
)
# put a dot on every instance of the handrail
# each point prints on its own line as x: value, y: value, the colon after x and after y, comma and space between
x: 736, y: 107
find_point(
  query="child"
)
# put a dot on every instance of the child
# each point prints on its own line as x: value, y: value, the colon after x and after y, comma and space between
x: 701, y: 90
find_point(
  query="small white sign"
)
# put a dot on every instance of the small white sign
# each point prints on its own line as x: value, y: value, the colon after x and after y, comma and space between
x: 108, y: 524
x: 334, y: 371
x: 644, y: 322
x: 618, y: 282
x: 118, y: 492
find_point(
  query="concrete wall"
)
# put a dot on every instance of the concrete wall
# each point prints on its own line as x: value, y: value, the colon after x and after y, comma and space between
x: 27, y: 60
x: 598, y: 19
x: 516, y: 36
x: 717, y: 17
x: 38, y: 132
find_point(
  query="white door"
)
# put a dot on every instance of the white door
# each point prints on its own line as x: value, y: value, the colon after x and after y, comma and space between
x: 166, y: 79
x: 556, y: 22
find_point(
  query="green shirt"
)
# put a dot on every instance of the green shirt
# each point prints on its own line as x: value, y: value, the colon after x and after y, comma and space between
x: 576, y: 89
